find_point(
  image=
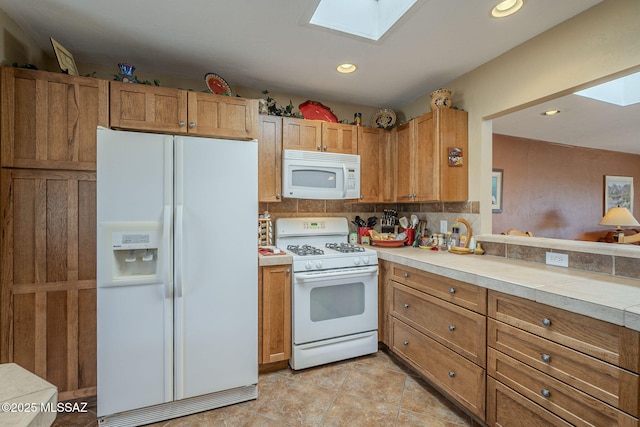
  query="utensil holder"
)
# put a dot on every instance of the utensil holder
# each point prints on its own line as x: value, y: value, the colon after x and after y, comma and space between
x: 411, y: 235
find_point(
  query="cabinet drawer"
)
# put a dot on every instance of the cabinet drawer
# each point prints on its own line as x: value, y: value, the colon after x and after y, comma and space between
x: 602, y: 340
x: 460, y: 293
x: 615, y: 386
x: 454, y: 374
x: 462, y: 330
x: 563, y: 400
x: 507, y: 408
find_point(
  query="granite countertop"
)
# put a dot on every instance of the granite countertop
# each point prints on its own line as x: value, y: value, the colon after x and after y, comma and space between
x: 601, y: 296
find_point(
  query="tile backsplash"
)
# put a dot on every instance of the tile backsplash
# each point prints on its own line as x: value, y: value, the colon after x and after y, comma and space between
x: 596, y: 257
x: 431, y: 212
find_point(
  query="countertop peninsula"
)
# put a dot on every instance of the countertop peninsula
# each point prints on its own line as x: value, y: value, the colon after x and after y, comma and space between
x: 600, y: 296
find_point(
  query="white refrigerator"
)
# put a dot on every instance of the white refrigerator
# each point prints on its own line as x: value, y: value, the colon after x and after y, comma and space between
x: 177, y: 274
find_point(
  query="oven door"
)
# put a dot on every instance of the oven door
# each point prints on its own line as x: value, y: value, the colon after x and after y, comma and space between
x: 334, y: 303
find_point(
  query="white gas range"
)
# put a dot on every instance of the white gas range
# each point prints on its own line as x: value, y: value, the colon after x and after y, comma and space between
x: 334, y: 291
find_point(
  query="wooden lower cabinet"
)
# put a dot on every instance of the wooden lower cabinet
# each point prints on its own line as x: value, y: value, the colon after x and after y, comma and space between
x: 506, y: 408
x: 47, y: 294
x: 274, y: 317
x: 462, y: 330
x: 562, y: 366
x: 428, y: 324
x: 461, y: 379
x: 567, y: 402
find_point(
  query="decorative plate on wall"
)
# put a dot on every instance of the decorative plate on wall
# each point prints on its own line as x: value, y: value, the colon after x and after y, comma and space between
x: 313, y: 110
x: 217, y: 84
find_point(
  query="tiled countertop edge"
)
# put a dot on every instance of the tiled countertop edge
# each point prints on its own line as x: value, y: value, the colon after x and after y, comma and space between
x: 568, y: 289
x: 613, y: 249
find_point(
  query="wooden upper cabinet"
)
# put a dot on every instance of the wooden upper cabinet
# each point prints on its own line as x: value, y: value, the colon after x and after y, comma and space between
x: 222, y: 116
x: 432, y: 153
x: 166, y: 110
x: 316, y: 135
x: 270, y: 159
x: 301, y: 134
x: 149, y: 108
x: 49, y: 120
x: 424, y: 153
x: 403, y: 136
x: 374, y: 165
x: 339, y: 138
x: 452, y: 137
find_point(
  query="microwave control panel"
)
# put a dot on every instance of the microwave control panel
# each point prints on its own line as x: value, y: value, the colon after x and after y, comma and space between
x: 351, y: 179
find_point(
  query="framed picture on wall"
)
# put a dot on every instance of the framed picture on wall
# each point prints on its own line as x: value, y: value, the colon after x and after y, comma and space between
x: 618, y: 191
x: 496, y: 190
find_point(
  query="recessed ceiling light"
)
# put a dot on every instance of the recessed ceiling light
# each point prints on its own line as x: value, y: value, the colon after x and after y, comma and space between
x: 506, y: 8
x: 550, y: 113
x: 346, y: 68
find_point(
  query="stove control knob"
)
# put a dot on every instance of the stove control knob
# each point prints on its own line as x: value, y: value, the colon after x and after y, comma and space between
x: 356, y: 260
x: 308, y: 265
x: 318, y: 265
x: 365, y: 260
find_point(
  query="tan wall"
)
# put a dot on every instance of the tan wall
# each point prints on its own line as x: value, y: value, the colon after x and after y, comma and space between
x: 601, y: 42
x: 15, y: 46
x: 342, y: 111
x: 557, y: 190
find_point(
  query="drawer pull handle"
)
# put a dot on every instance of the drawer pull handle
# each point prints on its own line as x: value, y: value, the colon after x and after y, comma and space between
x: 545, y: 358
x: 192, y: 125
x: 452, y: 291
x: 452, y: 328
x: 406, y: 275
x: 405, y: 342
x: 546, y: 322
x: 545, y: 393
x: 452, y: 374
x: 406, y: 306
x: 181, y: 123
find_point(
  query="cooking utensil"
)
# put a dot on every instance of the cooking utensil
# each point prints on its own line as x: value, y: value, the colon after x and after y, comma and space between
x: 414, y: 221
x: 404, y: 222
x: 359, y: 222
x: 372, y: 221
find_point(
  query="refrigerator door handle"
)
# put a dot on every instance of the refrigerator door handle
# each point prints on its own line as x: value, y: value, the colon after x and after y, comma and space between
x: 166, y: 243
x: 178, y: 250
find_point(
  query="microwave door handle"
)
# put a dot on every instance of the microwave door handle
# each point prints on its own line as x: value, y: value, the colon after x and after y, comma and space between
x: 344, y: 181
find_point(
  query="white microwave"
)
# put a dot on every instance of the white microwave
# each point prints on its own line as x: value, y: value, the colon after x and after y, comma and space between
x: 320, y: 175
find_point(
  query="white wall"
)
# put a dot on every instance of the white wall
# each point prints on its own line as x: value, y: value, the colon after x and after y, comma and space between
x: 600, y: 42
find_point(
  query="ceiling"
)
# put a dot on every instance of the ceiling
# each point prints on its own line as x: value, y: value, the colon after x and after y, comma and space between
x: 269, y: 45
x: 582, y: 122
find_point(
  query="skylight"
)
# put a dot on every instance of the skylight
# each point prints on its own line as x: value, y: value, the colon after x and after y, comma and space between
x: 623, y: 91
x: 370, y: 19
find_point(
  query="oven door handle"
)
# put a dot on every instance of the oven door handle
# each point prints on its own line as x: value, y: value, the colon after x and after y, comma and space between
x: 316, y: 277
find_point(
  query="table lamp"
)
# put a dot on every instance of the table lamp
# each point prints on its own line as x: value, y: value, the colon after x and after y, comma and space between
x: 619, y: 217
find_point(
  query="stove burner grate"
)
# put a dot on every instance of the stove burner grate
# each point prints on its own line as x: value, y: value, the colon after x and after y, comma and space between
x: 344, y: 247
x: 303, y: 250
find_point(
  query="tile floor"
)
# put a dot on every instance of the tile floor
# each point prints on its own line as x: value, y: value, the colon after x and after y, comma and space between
x: 370, y: 391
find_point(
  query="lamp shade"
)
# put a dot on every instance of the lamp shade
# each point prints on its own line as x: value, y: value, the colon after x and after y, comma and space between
x: 619, y: 217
